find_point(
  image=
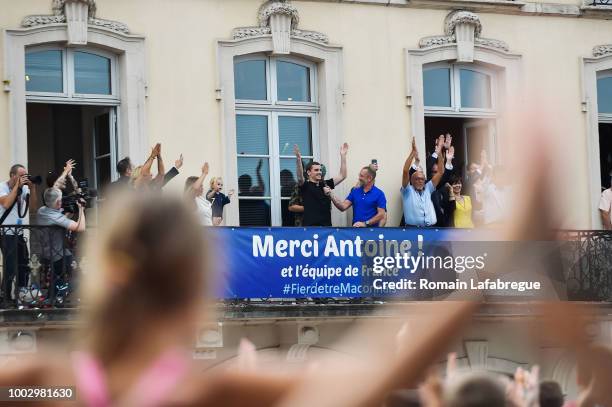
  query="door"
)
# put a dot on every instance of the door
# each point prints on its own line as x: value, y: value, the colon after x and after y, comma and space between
x: 479, y: 135
x: 104, y: 146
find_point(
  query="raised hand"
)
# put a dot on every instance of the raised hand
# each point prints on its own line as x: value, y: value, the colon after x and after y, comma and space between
x: 205, y: 168
x: 179, y: 163
x: 296, y: 151
x: 414, y: 147
x: 439, y: 144
x: 70, y: 165
x: 344, y: 149
x: 483, y: 158
x: 448, y: 141
x: 450, y: 154
x: 231, y: 193
x: 156, y: 151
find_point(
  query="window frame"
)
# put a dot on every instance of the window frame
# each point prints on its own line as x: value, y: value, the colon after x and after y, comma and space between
x: 272, y: 108
x: 455, y: 83
x: 69, y: 77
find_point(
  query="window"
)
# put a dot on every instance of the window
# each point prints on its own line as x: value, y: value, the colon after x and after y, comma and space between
x: 275, y: 110
x: 458, y: 88
x: 604, y: 93
x: 69, y: 73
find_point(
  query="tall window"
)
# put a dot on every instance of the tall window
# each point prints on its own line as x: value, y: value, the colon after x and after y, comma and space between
x: 60, y: 73
x: 604, y: 106
x: 276, y: 108
x: 460, y: 99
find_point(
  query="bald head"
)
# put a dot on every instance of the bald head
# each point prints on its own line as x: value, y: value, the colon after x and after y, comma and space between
x: 418, y: 180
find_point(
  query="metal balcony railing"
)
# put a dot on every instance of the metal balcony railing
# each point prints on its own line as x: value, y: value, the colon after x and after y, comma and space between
x: 40, y: 266
x: 44, y: 264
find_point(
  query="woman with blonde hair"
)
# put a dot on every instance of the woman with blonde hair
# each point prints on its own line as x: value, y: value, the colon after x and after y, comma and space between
x: 218, y: 199
x: 194, y: 193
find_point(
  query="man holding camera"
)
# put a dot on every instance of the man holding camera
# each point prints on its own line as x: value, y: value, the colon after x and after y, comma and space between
x: 52, y: 244
x: 16, y: 195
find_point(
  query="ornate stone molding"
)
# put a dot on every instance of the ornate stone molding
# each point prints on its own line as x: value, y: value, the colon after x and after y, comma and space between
x: 59, y: 7
x: 277, y: 7
x: 464, y: 29
x: 280, y: 19
x: 78, y: 15
x: 601, y: 50
x: 460, y: 17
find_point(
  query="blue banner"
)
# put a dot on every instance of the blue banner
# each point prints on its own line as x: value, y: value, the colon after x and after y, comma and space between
x: 337, y: 262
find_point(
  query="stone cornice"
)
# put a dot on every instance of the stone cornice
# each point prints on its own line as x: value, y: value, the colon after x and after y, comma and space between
x: 278, y: 8
x: 59, y: 17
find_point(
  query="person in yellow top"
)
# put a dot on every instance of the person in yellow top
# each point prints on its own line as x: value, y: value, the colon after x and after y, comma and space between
x: 460, y: 205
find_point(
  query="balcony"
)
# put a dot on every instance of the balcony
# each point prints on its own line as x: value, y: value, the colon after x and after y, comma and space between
x: 584, y: 266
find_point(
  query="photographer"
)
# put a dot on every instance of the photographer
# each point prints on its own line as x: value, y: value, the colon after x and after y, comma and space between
x: 14, y: 201
x: 52, y: 242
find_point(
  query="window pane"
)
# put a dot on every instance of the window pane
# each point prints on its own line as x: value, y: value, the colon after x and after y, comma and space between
x: 475, y: 89
x: 102, y: 129
x: 295, y: 130
x: 251, y: 134
x: 254, y: 176
x: 293, y: 82
x: 436, y: 84
x: 288, y: 177
x: 250, y: 80
x: 254, y: 212
x: 44, y: 71
x: 103, y: 172
x: 604, y: 95
x: 92, y: 74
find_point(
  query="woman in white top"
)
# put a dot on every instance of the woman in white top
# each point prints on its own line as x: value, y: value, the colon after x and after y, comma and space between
x: 194, y: 192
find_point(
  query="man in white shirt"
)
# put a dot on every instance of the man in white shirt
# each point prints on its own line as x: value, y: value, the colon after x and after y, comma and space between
x: 605, y: 209
x: 15, y: 195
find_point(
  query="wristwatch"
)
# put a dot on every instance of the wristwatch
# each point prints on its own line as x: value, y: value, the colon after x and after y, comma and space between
x: 367, y: 223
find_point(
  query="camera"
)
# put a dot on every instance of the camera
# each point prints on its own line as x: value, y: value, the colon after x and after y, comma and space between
x: 34, y: 179
x: 85, y: 196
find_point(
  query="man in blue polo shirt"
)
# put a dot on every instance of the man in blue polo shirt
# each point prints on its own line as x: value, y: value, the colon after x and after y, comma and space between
x: 368, y: 202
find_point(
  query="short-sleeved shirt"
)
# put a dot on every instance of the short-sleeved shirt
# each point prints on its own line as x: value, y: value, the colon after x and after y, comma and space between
x: 605, y: 203
x: 317, y: 205
x: 204, y: 210
x: 52, y: 239
x: 13, y: 217
x: 366, y: 204
x: 296, y: 199
x: 418, y: 206
x: 219, y: 200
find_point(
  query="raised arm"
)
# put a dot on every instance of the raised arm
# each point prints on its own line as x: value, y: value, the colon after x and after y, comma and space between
x: 198, y: 184
x: 342, y: 176
x: 161, y: 169
x: 435, y: 180
x: 61, y: 180
x: 146, y: 167
x: 408, y: 164
x: 299, y: 168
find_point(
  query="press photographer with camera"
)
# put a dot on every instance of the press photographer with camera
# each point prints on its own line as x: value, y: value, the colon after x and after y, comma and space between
x: 16, y: 196
x: 54, y: 250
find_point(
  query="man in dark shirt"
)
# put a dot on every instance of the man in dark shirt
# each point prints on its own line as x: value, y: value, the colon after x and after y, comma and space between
x: 317, y: 204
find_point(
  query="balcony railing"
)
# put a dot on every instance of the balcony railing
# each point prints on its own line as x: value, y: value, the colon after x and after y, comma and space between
x: 47, y: 263
x: 595, y: 3
x: 40, y: 266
